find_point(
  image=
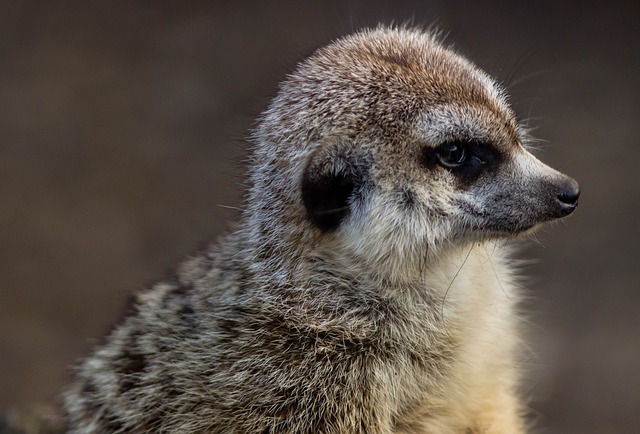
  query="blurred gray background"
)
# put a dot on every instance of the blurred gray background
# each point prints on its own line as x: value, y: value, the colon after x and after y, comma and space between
x: 122, y: 132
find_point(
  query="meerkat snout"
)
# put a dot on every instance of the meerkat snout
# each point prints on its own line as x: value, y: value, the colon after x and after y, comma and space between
x: 533, y: 193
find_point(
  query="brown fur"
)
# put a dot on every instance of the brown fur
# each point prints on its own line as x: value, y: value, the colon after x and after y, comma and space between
x: 364, y: 290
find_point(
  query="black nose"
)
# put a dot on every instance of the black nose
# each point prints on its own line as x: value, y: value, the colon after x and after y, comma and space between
x: 568, y: 197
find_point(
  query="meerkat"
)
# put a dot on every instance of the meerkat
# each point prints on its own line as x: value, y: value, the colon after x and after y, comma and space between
x: 366, y: 288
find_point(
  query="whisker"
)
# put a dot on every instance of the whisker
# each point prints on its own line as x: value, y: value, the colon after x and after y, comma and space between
x: 446, y: 293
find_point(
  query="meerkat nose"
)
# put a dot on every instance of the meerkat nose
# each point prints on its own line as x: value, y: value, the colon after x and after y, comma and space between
x: 568, y: 196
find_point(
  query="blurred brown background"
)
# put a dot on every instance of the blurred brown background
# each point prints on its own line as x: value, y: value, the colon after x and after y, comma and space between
x: 122, y: 129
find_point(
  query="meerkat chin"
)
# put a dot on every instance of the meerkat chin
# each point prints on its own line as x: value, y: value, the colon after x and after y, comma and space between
x: 358, y: 294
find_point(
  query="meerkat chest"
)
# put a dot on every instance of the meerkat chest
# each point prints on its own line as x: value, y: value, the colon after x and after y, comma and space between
x: 448, y: 354
x: 414, y: 374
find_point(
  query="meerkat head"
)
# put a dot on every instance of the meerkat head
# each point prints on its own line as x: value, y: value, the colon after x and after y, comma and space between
x: 386, y: 148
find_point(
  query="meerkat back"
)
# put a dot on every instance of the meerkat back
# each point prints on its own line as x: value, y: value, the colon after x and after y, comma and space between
x: 367, y: 288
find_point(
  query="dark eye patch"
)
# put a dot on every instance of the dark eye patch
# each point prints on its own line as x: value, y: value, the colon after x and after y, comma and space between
x: 466, y: 159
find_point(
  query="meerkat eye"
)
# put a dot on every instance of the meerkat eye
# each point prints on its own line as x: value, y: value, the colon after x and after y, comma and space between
x: 465, y: 159
x: 452, y: 154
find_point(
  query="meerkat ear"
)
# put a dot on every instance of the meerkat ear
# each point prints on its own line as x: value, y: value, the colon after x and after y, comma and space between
x: 330, y: 185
